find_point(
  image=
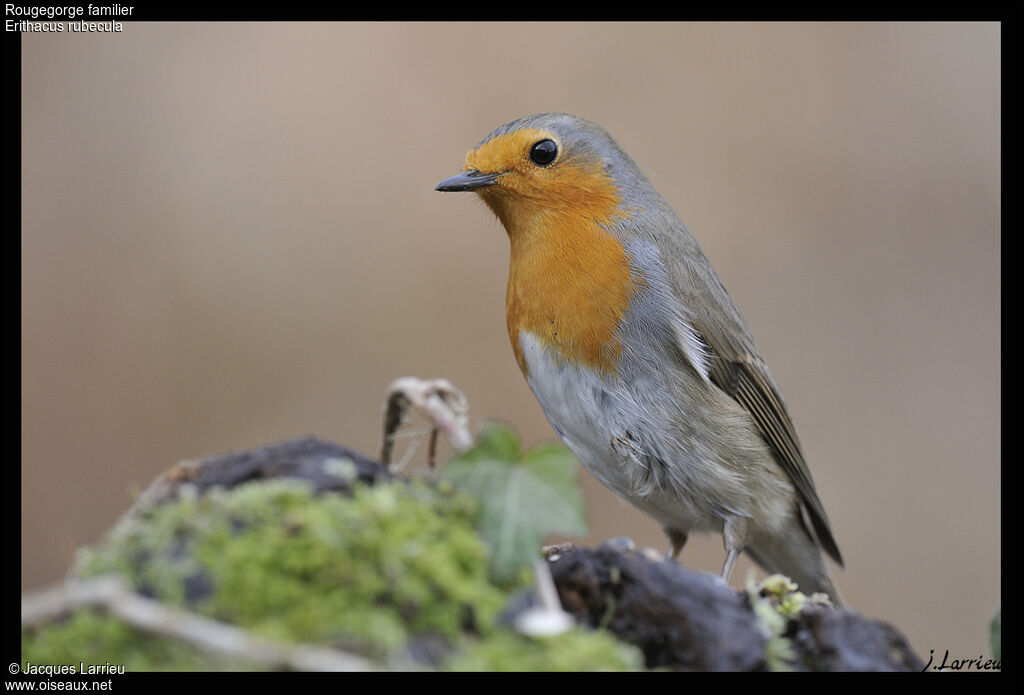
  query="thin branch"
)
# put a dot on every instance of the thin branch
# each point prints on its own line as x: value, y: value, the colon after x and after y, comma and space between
x: 110, y: 593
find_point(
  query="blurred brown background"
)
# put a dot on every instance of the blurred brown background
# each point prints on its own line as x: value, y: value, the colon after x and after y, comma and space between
x: 230, y: 236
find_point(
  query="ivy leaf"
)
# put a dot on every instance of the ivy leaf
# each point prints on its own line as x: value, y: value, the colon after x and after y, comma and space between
x: 524, y: 496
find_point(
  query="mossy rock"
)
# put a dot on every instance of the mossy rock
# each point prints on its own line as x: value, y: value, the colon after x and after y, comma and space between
x: 380, y: 571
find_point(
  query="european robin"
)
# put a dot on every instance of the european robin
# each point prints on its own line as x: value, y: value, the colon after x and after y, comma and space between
x: 637, y: 354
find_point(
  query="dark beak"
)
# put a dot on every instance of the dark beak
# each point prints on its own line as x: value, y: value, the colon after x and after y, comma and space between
x: 468, y: 180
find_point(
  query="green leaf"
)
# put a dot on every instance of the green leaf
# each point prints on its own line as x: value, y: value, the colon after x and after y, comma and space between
x: 524, y: 497
x: 496, y: 442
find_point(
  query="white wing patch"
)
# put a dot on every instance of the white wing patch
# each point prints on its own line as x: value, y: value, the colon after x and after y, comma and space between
x: 693, y: 347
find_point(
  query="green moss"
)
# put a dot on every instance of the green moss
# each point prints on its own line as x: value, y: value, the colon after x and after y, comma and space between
x: 366, y: 572
x: 576, y: 650
x: 90, y: 637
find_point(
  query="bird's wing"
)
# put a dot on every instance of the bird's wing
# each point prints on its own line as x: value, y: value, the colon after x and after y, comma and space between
x: 738, y: 369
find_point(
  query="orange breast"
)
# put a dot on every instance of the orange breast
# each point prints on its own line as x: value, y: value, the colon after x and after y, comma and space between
x: 569, y: 280
x: 571, y: 291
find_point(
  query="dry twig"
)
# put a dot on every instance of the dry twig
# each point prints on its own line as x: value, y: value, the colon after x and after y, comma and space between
x: 110, y: 593
x: 439, y: 401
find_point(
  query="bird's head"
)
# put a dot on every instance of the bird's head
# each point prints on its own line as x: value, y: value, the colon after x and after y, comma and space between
x: 547, y: 167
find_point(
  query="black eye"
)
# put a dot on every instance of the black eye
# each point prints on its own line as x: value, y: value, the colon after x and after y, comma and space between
x: 543, y: 152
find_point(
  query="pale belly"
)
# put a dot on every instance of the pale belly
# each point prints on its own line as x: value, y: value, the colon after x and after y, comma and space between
x: 578, y: 403
x: 638, y: 441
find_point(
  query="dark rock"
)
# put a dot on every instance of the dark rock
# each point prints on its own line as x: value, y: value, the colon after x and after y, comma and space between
x: 827, y: 639
x: 678, y: 618
x: 692, y: 621
x: 324, y: 464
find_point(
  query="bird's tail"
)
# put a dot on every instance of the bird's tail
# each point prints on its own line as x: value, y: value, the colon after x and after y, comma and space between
x: 796, y: 555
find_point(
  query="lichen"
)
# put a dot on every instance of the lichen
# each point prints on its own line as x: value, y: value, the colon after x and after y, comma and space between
x: 775, y: 600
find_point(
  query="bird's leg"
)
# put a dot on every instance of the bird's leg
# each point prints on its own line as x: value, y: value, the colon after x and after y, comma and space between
x: 676, y: 541
x: 735, y: 537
